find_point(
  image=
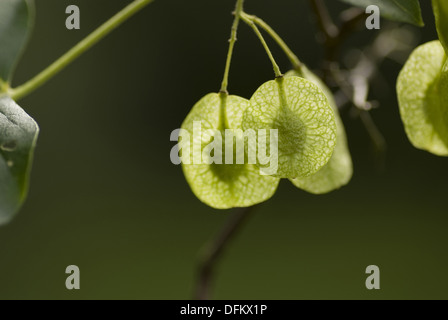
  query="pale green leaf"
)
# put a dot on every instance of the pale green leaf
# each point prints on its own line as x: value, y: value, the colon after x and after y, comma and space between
x: 397, y: 10
x: 18, y: 135
x: 16, y: 19
x: 423, y: 98
x: 441, y: 13
x: 223, y: 186
x: 339, y: 170
x: 305, y: 121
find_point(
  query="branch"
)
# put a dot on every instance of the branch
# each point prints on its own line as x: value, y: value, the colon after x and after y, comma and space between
x: 373, y: 131
x: 351, y: 19
x: 326, y: 25
x: 356, y: 90
x: 334, y: 36
x: 215, y: 249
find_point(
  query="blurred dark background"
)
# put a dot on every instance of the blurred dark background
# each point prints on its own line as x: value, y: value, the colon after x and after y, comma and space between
x: 105, y: 196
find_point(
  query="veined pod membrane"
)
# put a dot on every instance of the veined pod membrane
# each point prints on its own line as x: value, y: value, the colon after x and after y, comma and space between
x: 423, y: 98
x: 339, y: 170
x: 305, y: 121
x: 221, y: 186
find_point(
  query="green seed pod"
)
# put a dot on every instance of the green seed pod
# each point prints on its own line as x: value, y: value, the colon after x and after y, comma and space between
x: 305, y: 121
x: 339, y: 170
x: 221, y: 186
x: 423, y: 98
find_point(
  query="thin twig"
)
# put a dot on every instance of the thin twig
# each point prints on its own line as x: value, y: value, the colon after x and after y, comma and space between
x: 351, y: 18
x: 350, y: 21
x: 358, y: 98
x: 334, y: 36
x: 355, y: 83
x: 373, y: 131
x: 215, y: 249
x: 324, y: 20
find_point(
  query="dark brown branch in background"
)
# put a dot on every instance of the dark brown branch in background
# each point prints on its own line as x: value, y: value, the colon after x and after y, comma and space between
x: 373, y: 131
x: 334, y: 36
x: 324, y: 20
x: 362, y: 108
x: 350, y: 20
x: 214, y: 251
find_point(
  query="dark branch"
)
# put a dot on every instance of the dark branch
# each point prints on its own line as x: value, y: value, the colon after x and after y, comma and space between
x: 351, y: 19
x: 355, y: 91
x: 326, y: 25
x: 214, y: 251
x: 334, y: 36
x: 373, y: 131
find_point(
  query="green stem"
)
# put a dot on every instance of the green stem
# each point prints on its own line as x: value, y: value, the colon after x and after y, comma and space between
x: 282, y: 44
x: 80, y: 48
x: 233, y: 38
x: 246, y: 18
x: 4, y: 87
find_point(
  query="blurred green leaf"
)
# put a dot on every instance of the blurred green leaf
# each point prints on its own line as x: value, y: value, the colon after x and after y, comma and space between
x: 222, y: 186
x: 16, y: 20
x: 441, y: 13
x: 397, y: 10
x: 422, y: 88
x: 305, y: 121
x: 339, y: 170
x: 18, y: 135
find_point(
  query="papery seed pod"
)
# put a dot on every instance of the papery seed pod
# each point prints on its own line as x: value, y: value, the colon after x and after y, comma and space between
x: 305, y: 121
x: 423, y: 98
x: 339, y: 170
x: 222, y: 186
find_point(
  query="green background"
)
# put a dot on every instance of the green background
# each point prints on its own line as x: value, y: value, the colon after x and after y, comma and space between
x: 105, y: 196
